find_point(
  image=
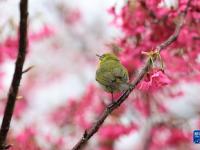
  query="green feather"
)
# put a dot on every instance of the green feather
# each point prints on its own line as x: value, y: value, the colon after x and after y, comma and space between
x: 111, y: 74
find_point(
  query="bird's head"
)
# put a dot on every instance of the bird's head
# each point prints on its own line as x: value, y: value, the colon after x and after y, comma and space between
x: 107, y: 57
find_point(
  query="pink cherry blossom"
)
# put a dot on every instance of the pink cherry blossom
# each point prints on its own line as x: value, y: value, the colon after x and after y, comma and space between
x: 154, y: 80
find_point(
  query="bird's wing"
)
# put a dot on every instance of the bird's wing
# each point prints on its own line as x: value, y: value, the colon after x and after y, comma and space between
x: 104, y: 77
x: 120, y: 73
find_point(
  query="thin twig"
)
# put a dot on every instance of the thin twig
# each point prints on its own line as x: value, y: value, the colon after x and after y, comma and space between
x: 17, y: 75
x: 27, y: 69
x: 151, y: 13
x: 109, y: 109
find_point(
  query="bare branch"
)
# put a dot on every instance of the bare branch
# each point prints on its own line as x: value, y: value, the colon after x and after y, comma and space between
x: 17, y: 75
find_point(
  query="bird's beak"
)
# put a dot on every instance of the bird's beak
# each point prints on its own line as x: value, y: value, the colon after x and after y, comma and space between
x: 98, y: 56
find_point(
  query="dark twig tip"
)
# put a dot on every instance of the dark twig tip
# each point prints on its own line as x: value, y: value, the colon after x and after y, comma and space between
x: 28, y: 69
x: 85, y: 134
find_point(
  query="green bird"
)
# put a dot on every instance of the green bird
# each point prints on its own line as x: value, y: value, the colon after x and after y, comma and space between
x: 111, y: 74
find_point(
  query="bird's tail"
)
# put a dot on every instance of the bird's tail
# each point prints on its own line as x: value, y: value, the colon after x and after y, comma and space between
x: 124, y: 86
